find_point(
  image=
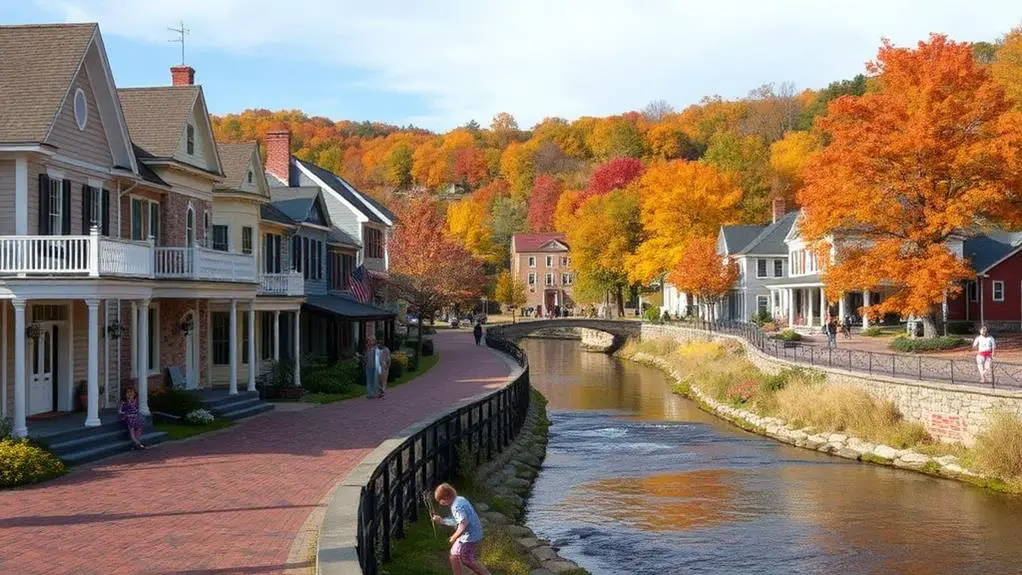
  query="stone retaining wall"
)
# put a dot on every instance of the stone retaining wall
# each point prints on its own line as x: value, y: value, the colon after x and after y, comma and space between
x: 951, y: 413
x: 594, y: 340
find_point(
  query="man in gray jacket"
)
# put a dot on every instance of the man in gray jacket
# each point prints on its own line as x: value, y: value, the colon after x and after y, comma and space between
x: 381, y: 361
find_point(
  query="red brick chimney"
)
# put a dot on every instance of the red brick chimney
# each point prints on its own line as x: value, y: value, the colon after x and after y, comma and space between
x: 778, y: 209
x: 278, y: 154
x: 182, y: 75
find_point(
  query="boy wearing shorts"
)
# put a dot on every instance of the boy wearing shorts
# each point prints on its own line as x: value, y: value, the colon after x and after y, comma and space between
x: 468, y: 530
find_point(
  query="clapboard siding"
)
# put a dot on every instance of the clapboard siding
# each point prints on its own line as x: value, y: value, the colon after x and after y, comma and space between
x: 7, y: 196
x: 88, y: 145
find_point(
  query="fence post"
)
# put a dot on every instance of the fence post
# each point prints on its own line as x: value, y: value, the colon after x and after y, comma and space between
x: 920, y: 368
x: 869, y: 355
x: 952, y: 371
x: 401, y: 494
x: 386, y: 511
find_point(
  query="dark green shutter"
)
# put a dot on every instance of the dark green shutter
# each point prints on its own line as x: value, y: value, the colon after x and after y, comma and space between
x: 106, y: 212
x: 44, y: 205
x: 86, y: 209
x: 66, y: 224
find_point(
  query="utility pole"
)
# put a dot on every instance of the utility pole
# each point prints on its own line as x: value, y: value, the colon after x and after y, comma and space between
x: 181, y: 33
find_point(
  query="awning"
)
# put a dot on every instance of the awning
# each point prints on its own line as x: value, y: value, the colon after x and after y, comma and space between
x: 347, y: 307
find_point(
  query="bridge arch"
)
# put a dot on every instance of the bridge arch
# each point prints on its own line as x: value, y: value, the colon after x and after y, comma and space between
x: 620, y: 330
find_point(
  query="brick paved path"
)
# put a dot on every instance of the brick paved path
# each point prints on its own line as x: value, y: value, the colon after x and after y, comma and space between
x: 229, y: 503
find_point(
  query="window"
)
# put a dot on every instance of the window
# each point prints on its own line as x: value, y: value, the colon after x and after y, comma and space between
x: 56, y: 207
x: 566, y: 279
x: 532, y: 279
x: 81, y: 109
x: 296, y: 253
x: 190, y: 227
x: 244, y: 338
x: 266, y: 335
x: 778, y: 268
x: 549, y: 279
x: 154, y: 340
x: 373, y: 243
x: 763, y: 303
x: 271, y: 253
x: 250, y: 176
x: 221, y: 337
x: 190, y: 140
x: 550, y: 261
x: 206, y: 223
x: 532, y: 261
x: 154, y: 221
x: 972, y: 291
x: 564, y: 262
x: 761, y: 268
x: 137, y: 222
x: 220, y: 238
x: 304, y: 247
x: 998, y: 291
x: 347, y: 266
x: 246, y: 240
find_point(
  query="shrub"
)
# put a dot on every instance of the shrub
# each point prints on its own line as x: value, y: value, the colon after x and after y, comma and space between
x: 742, y: 392
x: 199, y: 417
x: 666, y: 316
x: 651, y: 314
x: 6, y: 428
x: 999, y: 448
x: 22, y: 462
x: 398, y: 365
x: 332, y: 379
x: 872, y: 331
x: 961, y: 328
x: 174, y: 401
x: 761, y: 317
x: 913, y: 345
x: 427, y: 346
x: 789, y: 335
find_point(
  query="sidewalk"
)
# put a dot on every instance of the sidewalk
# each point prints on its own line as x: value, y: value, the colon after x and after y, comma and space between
x: 228, y: 503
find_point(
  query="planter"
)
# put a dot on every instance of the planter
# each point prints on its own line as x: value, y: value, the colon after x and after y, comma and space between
x: 83, y: 402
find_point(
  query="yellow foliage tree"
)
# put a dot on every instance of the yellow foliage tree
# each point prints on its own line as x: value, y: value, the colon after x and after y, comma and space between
x: 788, y: 157
x: 1007, y: 66
x: 516, y: 166
x: 510, y: 292
x: 468, y: 222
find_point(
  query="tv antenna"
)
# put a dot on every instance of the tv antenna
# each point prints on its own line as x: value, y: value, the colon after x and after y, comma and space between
x: 181, y: 32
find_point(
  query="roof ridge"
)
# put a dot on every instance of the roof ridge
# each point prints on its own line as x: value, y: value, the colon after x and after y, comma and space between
x: 767, y: 230
x: 51, y: 25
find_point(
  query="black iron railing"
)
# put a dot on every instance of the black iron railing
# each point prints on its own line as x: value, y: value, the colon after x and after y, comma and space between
x: 393, y: 494
x: 910, y: 366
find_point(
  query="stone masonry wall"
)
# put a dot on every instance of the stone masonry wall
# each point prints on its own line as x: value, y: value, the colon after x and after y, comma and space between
x: 951, y: 413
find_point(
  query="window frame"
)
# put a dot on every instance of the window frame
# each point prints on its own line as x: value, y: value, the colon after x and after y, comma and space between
x: 566, y: 279
x: 761, y: 263
x: 778, y: 268
x: 548, y: 280
x: 95, y: 208
x: 532, y: 278
x: 190, y: 225
x: 82, y: 122
x: 972, y: 291
x: 139, y: 215
x: 218, y: 346
x: 225, y: 230
x: 532, y: 261
x: 56, y: 202
x: 993, y: 290
x: 550, y: 261
x: 153, y: 213
x: 190, y: 140
x: 246, y: 240
x: 762, y: 303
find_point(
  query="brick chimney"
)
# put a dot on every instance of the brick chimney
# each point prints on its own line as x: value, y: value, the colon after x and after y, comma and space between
x: 278, y: 154
x: 778, y: 209
x: 182, y: 75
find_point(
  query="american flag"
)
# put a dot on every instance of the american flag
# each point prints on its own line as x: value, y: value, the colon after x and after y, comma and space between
x: 358, y: 285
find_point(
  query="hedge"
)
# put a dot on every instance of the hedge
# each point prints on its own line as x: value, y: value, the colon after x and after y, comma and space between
x: 912, y: 345
x: 22, y: 463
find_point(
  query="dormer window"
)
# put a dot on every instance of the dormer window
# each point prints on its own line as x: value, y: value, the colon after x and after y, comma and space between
x: 190, y: 140
x: 250, y: 176
x: 81, y: 109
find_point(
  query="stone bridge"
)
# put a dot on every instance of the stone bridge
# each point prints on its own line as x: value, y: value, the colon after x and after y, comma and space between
x: 621, y: 330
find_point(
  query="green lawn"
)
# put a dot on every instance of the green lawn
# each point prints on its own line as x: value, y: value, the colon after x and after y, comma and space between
x: 426, y: 363
x: 353, y: 391
x: 185, y: 430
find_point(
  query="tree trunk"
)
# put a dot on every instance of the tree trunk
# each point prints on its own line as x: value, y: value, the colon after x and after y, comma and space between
x: 620, y: 302
x: 929, y: 325
x: 418, y: 346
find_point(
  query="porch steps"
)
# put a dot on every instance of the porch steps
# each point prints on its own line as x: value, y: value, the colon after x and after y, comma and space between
x: 235, y: 407
x: 87, y: 444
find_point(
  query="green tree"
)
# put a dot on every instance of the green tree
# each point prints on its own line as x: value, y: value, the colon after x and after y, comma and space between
x: 747, y: 158
x: 510, y: 292
x: 399, y: 166
x: 509, y: 216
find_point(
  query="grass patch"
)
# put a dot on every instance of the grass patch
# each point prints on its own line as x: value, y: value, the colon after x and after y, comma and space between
x: 185, y: 430
x: 348, y: 392
x: 999, y: 449
x: 875, y: 331
x: 426, y: 363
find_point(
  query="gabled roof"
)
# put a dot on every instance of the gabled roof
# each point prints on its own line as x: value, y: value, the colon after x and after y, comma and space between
x: 368, y: 207
x: 736, y: 238
x: 298, y: 203
x: 156, y: 116
x: 145, y: 171
x: 236, y: 161
x: 272, y: 213
x: 522, y: 243
x: 37, y: 66
x: 987, y: 250
x: 341, y: 238
x: 770, y: 241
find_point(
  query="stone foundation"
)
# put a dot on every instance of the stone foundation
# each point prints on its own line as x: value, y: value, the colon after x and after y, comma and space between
x: 951, y: 413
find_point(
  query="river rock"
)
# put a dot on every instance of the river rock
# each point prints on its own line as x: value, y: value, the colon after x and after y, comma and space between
x: 544, y: 553
x: 814, y: 441
x: 560, y: 565
x: 494, y: 517
x: 541, y: 572
x: 847, y: 453
x: 837, y: 438
x: 797, y: 435
x: 954, y: 468
x: 517, y: 483
x: 530, y: 459
x: 481, y: 507
x: 528, y: 473
x: 886, y: 451
x: 520, y: 531
x: 911, y: 460
x: 529, y: 542
x: 946, y: 460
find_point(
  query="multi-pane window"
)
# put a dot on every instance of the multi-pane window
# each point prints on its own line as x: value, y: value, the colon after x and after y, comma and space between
x: 221, y: 321
x: 761, y: 268
x: 94, y: 199
x: 190, y: 227
x: 532, y: 261
x: 137, y: 219
x: 271, y: 253
x: 564, y: 262
x: 532, y: 279
x: 220, y: 238
x: 154, y: 221
x: 566, y: 279
x: 550, y: 261
x: 190, y: 140
x: 778, y: 268
x: 246, y: 240
x: 373, y: 242
x: 763, y: 303
x: 56, y: 206
x: 998, y: 291
x: 549, y: 279
x: 296, y: 253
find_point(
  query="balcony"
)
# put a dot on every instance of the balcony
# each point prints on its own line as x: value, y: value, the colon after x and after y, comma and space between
x: 96, y: 256
x: 288, y: 284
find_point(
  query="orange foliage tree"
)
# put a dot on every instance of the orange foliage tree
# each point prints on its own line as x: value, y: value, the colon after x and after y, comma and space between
x: 933, y: 153
x: 545, y: 193
x: 705, y: 274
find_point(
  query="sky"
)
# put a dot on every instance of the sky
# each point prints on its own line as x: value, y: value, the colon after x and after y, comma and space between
x: 439, y: 63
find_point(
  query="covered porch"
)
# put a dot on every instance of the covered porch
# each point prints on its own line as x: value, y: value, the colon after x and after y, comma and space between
x: 347, y: 325
x: 802, y: 302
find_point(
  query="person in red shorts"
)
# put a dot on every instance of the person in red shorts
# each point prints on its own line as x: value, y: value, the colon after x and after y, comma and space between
x: 468, y: 530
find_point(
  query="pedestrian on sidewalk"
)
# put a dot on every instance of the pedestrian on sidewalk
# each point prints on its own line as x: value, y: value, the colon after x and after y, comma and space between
x: 846, y: 327
x: 369, y: 365
x: 468, y: 530
x: 831, y: 330
x: 477, y: 331
x: 131, y: 417
x: 381, y: 358
x: 984, y: 345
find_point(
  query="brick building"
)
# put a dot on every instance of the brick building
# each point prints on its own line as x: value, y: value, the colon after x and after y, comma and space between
x: 543, y: 263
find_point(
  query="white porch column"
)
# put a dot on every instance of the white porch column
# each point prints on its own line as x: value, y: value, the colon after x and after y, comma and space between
x: 791, y: 306
x: 823, y: 306
x: 865, y: 303
x: 20, y: 427
x: 3, y: 360
x: 841, y: 311
x: 233, y: 346
x: 809, y: 306
x: 142, y: 333
x: 276, y: 335
x: 252, y: 360
x: 298, y: 349
x: 92, y: 414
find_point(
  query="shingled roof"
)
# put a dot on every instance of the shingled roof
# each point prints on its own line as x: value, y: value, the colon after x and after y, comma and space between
x: 236, y: 161
x: 156, y: 116
x: 736, y: 238
x: 770, y: 241
x: 523, y: 243
x: 36, y: 70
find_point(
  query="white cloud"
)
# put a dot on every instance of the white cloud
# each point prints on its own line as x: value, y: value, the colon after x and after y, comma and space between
x: 537, y: 58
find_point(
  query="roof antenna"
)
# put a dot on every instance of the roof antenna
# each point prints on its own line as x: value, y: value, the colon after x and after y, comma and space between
x: 182, y: 32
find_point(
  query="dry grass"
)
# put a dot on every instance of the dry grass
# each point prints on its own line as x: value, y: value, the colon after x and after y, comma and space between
x: 999, y: 450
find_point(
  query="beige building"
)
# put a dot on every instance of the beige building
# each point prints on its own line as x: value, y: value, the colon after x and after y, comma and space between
x: 543, y: 263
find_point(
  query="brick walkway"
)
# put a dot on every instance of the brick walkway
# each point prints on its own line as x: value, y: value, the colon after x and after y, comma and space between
x: 229, y: 503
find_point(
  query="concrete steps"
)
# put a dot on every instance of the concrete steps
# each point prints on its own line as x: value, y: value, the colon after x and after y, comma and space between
x: 234, y: 407
x: 85, y: 444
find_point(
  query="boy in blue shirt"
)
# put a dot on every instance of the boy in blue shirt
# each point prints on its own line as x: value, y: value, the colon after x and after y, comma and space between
x: 468, y: 532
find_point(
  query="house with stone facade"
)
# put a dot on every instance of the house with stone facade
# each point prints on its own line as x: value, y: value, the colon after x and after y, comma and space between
x: 542, y: 262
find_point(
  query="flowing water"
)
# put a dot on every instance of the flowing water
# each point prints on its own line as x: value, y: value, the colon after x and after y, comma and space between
x: 638, y: 480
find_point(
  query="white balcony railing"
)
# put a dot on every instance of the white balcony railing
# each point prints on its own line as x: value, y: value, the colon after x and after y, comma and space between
x: 287, y: 284
x: 95, y: 256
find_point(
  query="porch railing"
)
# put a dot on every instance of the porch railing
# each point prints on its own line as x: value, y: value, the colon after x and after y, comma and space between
x: 125, y: 258
x: 287, y: 284
x: 49, y: 255
x: 203, y: 264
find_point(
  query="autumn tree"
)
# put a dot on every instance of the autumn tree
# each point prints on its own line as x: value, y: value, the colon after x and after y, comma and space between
x: 788, y: 157
x: 545, y: 193
x: 681, y: 201
x: 747, y: 158
x: 516, y: 166
x: 468, y: 221
x: 705, y: 274
x: 510, y: 292
x: 1007, y: 65
x: 509, y: 217
x: 934, y: 152
x: 612, y: 175
x: 564, y: 212
x: 657, y: 110
x: 399, y: 166
x: 427, y: 268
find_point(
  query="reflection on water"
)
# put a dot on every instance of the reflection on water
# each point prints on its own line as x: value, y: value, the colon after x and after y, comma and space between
x: 638, y: 480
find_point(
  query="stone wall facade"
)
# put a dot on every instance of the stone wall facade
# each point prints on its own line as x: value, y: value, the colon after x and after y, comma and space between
x: 951, y: 413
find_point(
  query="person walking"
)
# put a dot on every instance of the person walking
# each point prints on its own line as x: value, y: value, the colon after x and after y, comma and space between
x: 477, y: 331
x: 369, y: 364
x: 846, y: 326
x: 984, y: 345
x: 381, y: 360
x: 831, y: 329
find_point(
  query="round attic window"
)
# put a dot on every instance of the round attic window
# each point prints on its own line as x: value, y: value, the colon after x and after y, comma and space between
x: 81, y: 109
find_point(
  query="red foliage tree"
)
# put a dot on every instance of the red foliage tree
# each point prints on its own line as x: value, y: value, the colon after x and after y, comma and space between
x: 612, y: 175
x: 470, y: 167
x: 546, y: 190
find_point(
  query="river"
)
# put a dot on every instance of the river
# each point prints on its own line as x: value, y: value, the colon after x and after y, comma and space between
x: 640, y: 481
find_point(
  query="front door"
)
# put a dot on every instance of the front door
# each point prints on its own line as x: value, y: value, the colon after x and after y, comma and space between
x: 551, y: 301
x: 43, y: 370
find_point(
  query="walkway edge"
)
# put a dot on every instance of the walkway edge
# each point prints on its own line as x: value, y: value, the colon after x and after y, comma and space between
x: 337, y: 546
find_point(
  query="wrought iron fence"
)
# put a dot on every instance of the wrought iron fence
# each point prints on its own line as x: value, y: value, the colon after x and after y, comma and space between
x: 393, y: 494
x: 910, y: 366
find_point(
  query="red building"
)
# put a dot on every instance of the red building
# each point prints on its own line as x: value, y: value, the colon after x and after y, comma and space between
x: 995, y: 296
